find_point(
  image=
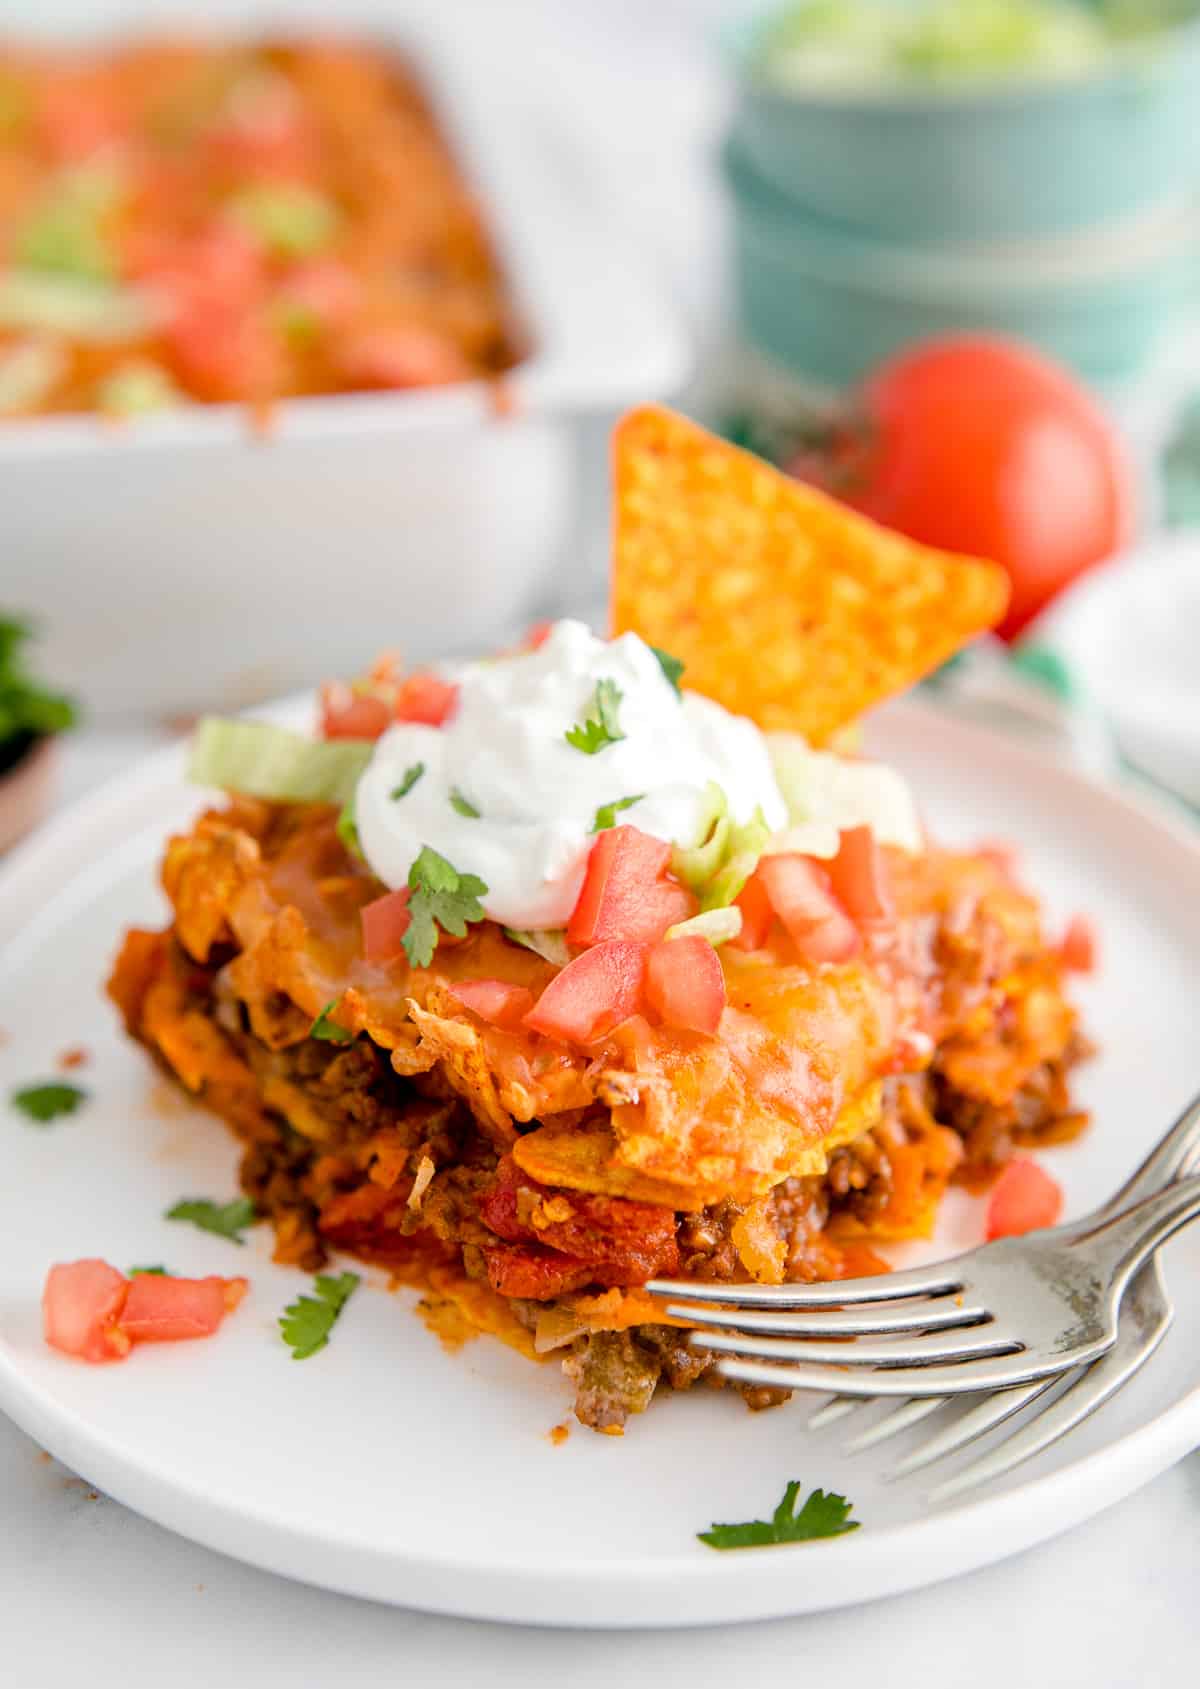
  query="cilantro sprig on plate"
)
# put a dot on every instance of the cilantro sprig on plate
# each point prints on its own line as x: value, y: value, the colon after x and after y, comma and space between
x: 439, y: 897
x: 823, y: 1515
x: 43, y: 1103
x: 307, y: 1322
x: 601, y: 726
x: 224, y: 1219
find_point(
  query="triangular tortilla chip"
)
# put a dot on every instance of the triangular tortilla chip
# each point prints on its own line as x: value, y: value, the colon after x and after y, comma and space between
x: 782, y: 604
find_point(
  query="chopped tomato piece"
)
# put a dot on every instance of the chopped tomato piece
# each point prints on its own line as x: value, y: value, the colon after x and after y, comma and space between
x: 384, y: 924
x: 350, y: 715
x: 81, y: 1307
x: 757, y: 914
x: 223, y: 351
x: 323, y: 288
x: 1079, y: 948
x: 402, y: 357
x: 494, y: 1000
x: 799, y: 893
x: 537, y: 636
x: 625, y: 893
x: 685, y: 983
x: 423, y: 697
x: 1024, y: 1199
x: 592, y: 994
x: 859, y: 877
x: 533, y: 1273
x: 169, y: 1310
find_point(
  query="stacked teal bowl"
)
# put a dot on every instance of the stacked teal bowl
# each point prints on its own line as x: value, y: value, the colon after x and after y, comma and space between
x: 879, y: 196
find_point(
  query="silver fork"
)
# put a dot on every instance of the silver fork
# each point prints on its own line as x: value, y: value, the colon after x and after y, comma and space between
x: 1003, y: 1315
x: 1145, y: 1318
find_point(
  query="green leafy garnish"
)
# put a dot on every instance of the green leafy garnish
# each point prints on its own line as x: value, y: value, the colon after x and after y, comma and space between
x: 347, y: 828
x: 550, y: 943
x: 264, y: 761
x: 411, y: 776
x: 747, y: 840
x: 823, y: 1515
x: 462, y: 806
x: 441, y: 897
x: 225, y: 1219
x: 672, y: 667
x: 695, y: 864
x: 601, y: 727
x: 147, y: 1272
x: 328, y: 1031
x: 138, y: 388
x: 27, y: 710
x: 291, y: 220
x: 46, y: 1102
x: 307, y: 1322
x: 606, y: 815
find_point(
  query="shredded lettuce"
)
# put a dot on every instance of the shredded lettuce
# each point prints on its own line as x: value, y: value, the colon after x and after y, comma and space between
x: 269, y: 762
x: 870, y: 42
x: 826, y: 794
x: 747, y: 841
x: 718, y: 926
x: 696, y: 864
x: 550, y: 943
x: 28, y: 370
x: 291, y: 220
x: 137, y: 388
x: 725, y: 853
x: 86, y: 308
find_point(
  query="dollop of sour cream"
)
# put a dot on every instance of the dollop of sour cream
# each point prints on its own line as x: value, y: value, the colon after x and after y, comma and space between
x: 504, y: 753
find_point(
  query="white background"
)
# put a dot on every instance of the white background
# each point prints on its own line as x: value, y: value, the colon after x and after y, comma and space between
x: 91, y: 1594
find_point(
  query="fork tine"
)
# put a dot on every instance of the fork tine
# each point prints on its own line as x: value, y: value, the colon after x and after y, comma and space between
x: 992, y: 1372
x: 941, y: 1278
x: 898, y: 1419
x: 1148, y: 1322
x: 942, y: 1315
x: 972, y: 1344
x: 838, y: 1407
x: 976, y: 1422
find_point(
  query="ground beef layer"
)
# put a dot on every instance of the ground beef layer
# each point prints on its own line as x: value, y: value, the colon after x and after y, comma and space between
x: 341, y: 1151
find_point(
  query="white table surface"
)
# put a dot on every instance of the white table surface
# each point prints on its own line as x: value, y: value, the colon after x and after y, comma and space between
x: 91, y: 1593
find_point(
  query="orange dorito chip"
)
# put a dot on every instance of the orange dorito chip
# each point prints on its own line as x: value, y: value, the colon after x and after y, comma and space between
x: 782, y: 604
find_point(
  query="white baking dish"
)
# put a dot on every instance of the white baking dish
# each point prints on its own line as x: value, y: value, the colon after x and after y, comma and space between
x: 182, y: 563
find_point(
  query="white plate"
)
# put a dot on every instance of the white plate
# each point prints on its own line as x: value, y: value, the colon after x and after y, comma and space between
x: 390, y: 1468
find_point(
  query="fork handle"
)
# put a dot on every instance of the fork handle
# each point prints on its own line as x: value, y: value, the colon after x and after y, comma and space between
x: 1132, y: 1237
x: 1169, y: 1158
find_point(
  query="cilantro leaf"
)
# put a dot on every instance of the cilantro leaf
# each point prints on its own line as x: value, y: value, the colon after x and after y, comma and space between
x: 441, y: 897
x: 823, y: 1515
x: 347, y: 829
x: 147, y: 1272
x: 606, y: 815
x: 46, y: 1102
x: 411, y: 776
x: 671, y: 666
x: 228, y: 1219
x: 462, y: 805
x: 328, y: 1031
x: 601, y: 727
x: 307, y: 1322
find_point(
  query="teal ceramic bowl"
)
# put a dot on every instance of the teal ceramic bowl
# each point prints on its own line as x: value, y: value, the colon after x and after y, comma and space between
x: 1005, y: 159
x: 827, y: 306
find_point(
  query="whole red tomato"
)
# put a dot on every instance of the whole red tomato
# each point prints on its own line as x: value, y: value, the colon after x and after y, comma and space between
x: 980, y: 445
